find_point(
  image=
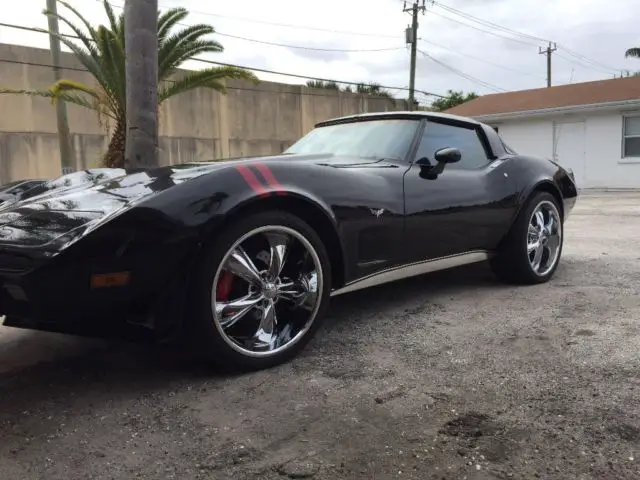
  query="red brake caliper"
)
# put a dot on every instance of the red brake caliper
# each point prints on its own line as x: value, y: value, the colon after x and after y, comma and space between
x: 225, y: 283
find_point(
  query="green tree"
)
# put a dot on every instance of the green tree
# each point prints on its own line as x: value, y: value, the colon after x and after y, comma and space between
x: 452, y: 99
x: 374, y: 89
x: 322, y: 84
x: 627, y: 73
x: 101, y: 51
x: 633, y: 52
x: 365, y: 88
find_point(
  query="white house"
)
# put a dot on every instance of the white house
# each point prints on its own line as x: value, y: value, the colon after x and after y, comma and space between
x: 591, y: 127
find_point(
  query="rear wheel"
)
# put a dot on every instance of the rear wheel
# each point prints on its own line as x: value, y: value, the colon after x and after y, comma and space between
x: 261, y: 291
x: 531, y: 252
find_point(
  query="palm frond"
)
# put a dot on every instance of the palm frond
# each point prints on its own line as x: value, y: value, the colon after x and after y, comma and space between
x: 79, y: 16
x: 56, y: 96
x: 189, y: 53
x: 99, y: 58
x: 184, y: 45
x: 101, y: 51
x: 632, y: 52
x: 208, y: 78
x: 168, y: 20
x: 113, y: 21
x: 72, y: 86
x: 113, y: 66
x: 90, y: 57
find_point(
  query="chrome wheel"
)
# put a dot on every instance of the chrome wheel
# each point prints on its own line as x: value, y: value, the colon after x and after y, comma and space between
x: 267, y: 291
x: 544, y: 238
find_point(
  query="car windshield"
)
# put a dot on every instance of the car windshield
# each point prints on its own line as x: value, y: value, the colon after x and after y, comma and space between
x: 389, y: 139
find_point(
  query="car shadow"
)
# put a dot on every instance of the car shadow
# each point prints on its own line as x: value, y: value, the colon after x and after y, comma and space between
x: 126, y: 370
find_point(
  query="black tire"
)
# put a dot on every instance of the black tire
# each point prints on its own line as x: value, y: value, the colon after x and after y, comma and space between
x: 203, y: 335
x: 511, y: 264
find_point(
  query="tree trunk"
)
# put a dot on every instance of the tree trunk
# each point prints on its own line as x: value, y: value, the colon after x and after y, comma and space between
x: 141, y: 69
x: 114, y: 158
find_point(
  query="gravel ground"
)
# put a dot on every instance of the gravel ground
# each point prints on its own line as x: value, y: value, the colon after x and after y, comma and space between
x: 450, y: 376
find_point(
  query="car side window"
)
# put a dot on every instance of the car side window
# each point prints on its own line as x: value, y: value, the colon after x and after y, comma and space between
x: 441, y: 135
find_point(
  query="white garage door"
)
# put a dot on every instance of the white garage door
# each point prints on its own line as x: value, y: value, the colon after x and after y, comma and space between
x: 569, y: 148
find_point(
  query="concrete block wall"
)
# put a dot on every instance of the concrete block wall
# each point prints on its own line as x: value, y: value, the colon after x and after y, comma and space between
x: 196, y: 126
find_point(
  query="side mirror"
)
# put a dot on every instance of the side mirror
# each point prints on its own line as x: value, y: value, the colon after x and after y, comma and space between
x: 448, y: 155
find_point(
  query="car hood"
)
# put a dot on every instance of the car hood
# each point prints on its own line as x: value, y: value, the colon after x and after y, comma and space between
x: 57, y: 211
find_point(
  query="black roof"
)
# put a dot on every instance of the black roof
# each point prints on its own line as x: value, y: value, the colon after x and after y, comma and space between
x: 417, y: 115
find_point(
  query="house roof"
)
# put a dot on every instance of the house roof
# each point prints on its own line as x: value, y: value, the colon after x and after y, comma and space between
x: 561, y: 96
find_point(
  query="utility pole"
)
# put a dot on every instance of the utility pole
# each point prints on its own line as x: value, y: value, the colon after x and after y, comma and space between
x: 412, y: 38
x: 141, y: 71
x: 67, y: 159
x: 548, y: 51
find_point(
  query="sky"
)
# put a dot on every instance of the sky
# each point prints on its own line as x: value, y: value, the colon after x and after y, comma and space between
x: 364, y: 40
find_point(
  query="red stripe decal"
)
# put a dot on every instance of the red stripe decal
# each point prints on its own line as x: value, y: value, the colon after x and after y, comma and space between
x: 270, y: 178
x: 252, y: 180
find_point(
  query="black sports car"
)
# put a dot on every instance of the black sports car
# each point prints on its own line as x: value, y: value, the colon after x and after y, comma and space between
x: 240, y: 257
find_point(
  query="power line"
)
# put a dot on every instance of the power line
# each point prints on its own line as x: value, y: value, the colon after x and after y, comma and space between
x: 488, y: 23
x: 248, y: 89
x: 287, y: 25
x: 587, y: 59
x: 262, y: 70
x: 275, y: 44
x: 307, y: 48
x: 574, y: 61
x: 464, y: 75
x: 344, y: 50
x: 495, y: 34
x: 517, y: 33
x: 429, y: 42
x: 341, y: 32
x: 77, y: 69
x: 295, y: 75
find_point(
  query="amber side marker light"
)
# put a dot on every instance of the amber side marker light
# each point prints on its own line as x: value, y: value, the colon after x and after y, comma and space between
x: 115, y: 279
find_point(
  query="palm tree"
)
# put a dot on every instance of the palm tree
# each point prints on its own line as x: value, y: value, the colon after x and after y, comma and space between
x: 102, y: 53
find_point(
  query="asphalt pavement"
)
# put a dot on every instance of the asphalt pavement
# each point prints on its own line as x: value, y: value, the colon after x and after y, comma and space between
x: 451, y: 375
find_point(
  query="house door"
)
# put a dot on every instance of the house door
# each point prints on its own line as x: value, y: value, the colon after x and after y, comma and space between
x: 569, y: 139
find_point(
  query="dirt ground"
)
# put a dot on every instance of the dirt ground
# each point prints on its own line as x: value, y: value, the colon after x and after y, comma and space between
x: 450, y: 376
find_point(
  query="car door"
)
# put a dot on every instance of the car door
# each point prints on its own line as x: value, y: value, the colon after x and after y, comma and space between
x: 461, y: 209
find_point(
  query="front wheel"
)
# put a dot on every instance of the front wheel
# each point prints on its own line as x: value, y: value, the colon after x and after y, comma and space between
x: 531, y: 251
x: 261, y: 291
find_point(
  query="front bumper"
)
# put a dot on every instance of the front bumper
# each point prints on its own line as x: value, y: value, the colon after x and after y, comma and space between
x: 58, y: 295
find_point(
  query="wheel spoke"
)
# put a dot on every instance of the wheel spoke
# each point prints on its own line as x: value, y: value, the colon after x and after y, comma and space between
x: 537, y: 258
x: 265, y: 337
x: 551, y: 223
x: 540, y: 220
x: 553, y: 242
x: 310, y: 283
x: 233, y: 311
x: 303, y: 293
x: 544, y: 237
x: 279, y: 268
x: 278, y: 243
x: 242, y: 266
x: 291, y: 291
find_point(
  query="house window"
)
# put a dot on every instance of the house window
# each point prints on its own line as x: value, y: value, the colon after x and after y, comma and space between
x: 631, y: 137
